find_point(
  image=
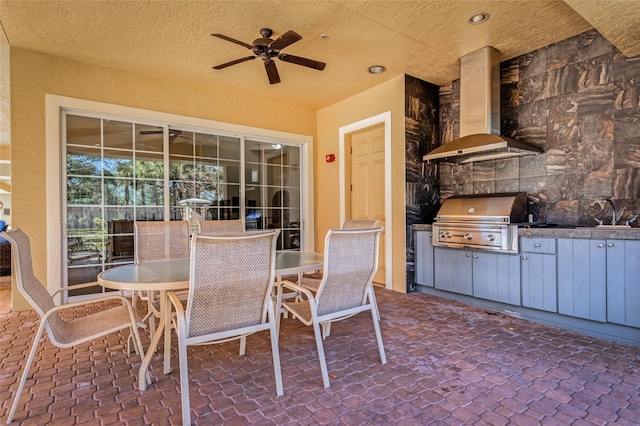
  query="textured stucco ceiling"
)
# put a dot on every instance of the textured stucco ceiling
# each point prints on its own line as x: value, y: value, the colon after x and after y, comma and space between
x: 425, y: 39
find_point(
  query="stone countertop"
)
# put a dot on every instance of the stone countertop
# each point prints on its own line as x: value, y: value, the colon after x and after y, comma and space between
x: 567, y: 232
x: 582, y: 232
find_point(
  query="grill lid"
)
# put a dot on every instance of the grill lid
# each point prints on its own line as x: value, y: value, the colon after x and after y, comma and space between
x: 501, y: 208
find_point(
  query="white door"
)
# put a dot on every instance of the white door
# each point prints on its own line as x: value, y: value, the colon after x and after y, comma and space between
x: 367, y: 183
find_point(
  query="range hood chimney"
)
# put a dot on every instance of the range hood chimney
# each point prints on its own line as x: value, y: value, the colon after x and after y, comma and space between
x: 480, y: 115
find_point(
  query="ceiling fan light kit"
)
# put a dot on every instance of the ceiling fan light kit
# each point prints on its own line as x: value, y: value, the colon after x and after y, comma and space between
x: 266, y: 49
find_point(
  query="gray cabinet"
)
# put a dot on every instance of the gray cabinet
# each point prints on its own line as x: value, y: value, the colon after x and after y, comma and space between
x: 582, y: 278
x: 496, y: 277
x: 452, y: 270
x: 539, y: 280
x: 423, y: 258
x: 492, y: 276
x: 623, y: 282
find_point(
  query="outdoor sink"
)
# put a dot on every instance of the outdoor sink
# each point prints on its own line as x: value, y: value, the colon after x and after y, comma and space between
x: 613, y: 226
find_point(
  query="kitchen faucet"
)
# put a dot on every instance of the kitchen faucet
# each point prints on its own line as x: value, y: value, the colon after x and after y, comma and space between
x: 613, y: 208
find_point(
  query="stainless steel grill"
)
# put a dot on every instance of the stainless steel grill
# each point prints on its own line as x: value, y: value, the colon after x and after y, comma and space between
x: 483, y: 222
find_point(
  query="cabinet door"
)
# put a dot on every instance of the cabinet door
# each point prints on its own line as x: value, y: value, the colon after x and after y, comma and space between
x: 423, y: 258
x: 623, y: 282
x: 539, y: 283
x: 453, y: 270
x: 582, y: 288
x: 497, y: 277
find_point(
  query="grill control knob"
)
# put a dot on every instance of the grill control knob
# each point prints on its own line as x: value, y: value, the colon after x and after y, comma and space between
x: 467, y: 236
x: 447, y: 235
x: 490, y: 237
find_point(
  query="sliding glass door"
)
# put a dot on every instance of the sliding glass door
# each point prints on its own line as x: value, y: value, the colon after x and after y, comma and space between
x: 119, y: 171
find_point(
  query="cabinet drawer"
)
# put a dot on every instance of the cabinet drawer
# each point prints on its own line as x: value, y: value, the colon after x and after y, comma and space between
x: 538, y: 245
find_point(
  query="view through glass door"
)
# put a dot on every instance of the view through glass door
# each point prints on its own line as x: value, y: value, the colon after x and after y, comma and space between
x: 118, y: 172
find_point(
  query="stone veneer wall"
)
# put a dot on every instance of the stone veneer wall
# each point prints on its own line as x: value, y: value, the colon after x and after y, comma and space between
x: 421, y: 181
x: 579, y: 100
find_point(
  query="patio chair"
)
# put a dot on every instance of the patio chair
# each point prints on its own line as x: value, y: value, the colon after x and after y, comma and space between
x: 350, y: 262
x: 64, y: 333
x: 155, y: 241
x: 212, y: 227
x: 231, y: 279
x: 348, y: 224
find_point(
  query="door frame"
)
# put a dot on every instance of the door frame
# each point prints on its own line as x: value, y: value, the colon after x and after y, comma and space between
x: 344, y: 132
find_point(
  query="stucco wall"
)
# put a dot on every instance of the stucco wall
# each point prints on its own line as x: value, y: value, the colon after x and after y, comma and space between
x: 35, y: 74
x: 388, y: 96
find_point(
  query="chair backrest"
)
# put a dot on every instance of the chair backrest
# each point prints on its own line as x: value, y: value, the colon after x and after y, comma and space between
x: 359, y: 223
x: 213, y: 227
x: 28, y: 285
x: 161, y: 240
x: 231, y: 280
x: 350, y: 263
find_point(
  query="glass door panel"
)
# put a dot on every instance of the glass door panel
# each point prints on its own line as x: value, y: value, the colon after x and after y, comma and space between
x: 272, y: 182
x: 117, y: 172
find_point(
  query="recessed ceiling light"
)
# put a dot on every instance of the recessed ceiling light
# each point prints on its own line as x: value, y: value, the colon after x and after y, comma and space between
x: 479, y: 18
x: 377, y: 69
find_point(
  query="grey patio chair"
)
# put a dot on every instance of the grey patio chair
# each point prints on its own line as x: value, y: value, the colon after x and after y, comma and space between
x: 155, y: 241
x: 212, y: 227
x: 64, y: 333
x: 231, y: 280
x: 348, y: 224
x: 346, y: 289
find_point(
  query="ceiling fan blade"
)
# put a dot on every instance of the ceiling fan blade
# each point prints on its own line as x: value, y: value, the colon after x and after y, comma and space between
x: 233, y: 40
x: 272, y: 71
x: 305, y: 62
x: 285, y: 40
x: 237, y: 61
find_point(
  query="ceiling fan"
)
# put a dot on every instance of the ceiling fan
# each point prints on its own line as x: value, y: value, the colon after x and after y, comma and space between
x: 266, y: 49
x: 173, y: 134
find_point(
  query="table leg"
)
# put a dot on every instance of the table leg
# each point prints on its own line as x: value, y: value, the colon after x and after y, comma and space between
x: 144, y: 367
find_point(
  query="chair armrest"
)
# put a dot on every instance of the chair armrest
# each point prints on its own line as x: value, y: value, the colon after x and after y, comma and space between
x: 86, y: 302
x: 74, y: 287
x: 176, y: 302
x: 295, y: 287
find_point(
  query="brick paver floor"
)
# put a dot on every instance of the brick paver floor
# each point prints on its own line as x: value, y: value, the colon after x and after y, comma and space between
x: 448, y: 363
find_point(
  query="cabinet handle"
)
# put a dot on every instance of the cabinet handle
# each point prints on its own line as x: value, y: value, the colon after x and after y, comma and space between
x: 468, y: 255
x: 475, y: 256
x: 536, y: 245
x: 524, y: 257
x: 610, y: 245
x: 600, y: 245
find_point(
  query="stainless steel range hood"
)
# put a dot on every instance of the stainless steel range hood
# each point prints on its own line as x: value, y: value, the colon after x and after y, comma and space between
x: 480, y: 115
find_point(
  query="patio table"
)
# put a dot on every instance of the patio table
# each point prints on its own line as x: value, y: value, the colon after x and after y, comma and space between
x: 173, y: 275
